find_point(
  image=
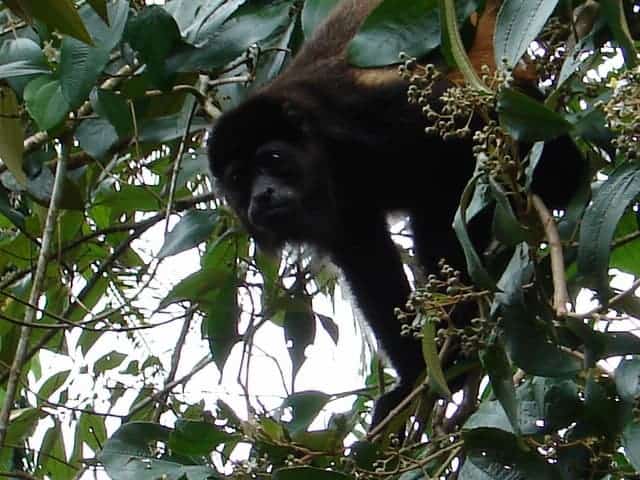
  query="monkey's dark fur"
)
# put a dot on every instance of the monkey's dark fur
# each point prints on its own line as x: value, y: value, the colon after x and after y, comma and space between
x: 322, y: 155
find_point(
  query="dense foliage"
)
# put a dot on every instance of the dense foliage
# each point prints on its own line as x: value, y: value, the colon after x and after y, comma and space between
x: 104, y: 108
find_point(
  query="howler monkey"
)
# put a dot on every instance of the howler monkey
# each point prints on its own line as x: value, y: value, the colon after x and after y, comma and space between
x: 322, y: 154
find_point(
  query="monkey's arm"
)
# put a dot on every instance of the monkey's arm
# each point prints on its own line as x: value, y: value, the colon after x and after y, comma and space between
x: 371, y: 264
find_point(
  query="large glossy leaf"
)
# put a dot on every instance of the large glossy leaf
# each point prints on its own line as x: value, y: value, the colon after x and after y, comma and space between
x: 96, y: 136
x: 599, y: 224
x: 59, y: 14
x: 45, y: 101
x: 113, y: 107
x: 20, y: 68
x: 248, y: 25
x: 20, y: 59
x: 81, y: 64
x: 528, y: 120
x: 518, y: 24
x: 394, y: 27
x: 100, y: 6
x: 197, y: 26
x: 628, y: 379
x: 313, y: 12
x: 154, y: 34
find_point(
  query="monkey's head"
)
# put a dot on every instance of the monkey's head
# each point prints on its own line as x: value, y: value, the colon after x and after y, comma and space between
x: 272, y: 171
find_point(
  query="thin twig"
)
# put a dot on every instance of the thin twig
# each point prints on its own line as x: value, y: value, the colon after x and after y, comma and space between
x: 612, y: 301
x: 175, y: 361
x: 176, y: 166
x: 20, y: 356
x: 205, y: 361
x: 560, y: 292
x: 401, y: 406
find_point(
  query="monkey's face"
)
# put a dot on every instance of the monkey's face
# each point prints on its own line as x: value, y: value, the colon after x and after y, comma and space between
x: 272, y: 175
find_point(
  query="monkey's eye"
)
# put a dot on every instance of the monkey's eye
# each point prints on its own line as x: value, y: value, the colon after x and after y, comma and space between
x: 268, y: 158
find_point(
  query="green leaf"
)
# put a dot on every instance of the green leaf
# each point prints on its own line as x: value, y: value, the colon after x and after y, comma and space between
x: 626, y: 256
x: 169, y: 127
x: 52, y: 455
x: 128, y: 198
x: 192, y: 229
x: 220, y: 325
x: 627, y: 379
x: 490, y: 414
x: 472, y: 200
x: 45, y: 101
x: 330, y: 327
x: 453, y: 48
x: 131, y: 454
x: 197, y: 438
x: 299, y: 329
x: 394, y: 27
x: 100, y: 6
x: 109, y: 361
x: 526, y: 341
x: 20, y: 68
x: 517, y: 25
x: 115, y: 108
x: 52, y: 383
x: 20, y: 59
x: 305, y: 406
x: 497, y: 455
x: 528, y: 120
x: 199, y: 21
x: 81, y: 64
x: 506, y: 227
x: 314, y: 12
x: 495, y: 361
x: 613, y: 13
x: 61, y: 15
x: 154, y: 34
x: 431, y: 358
x: 250, y: 24
x: 599, y: 224
x: 90, y: 431
x: 80, y: 67
x: 11, y: 134
x: 631, y: 444
x: 309, y: 473
x: 603, y: 413
x: 22, y: 425
x: 96, y: 136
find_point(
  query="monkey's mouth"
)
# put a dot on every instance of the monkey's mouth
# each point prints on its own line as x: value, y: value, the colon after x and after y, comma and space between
x: 274, y: 218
